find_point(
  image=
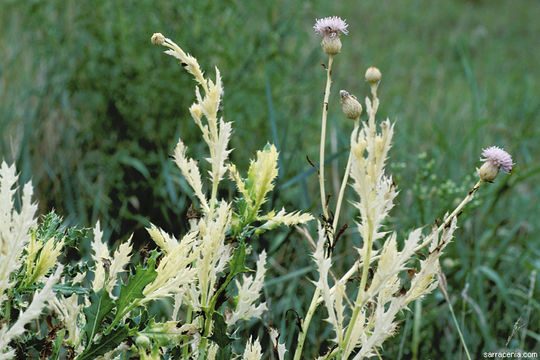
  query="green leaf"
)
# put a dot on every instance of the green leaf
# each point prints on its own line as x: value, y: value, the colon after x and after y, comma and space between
x: 55, y: 353
x: 100, y: 305
x: 236, y: 266
x: 499, y: 282
x: 141, y: 319
x: 136, y: 164
x: 70, y: 290
x: 162, y: 333
x: 50, y: 226
x: 219, y: 335
x: 133, y: 290
x: 237, y: 263
x: 105, y: 343
x: 224, y: 353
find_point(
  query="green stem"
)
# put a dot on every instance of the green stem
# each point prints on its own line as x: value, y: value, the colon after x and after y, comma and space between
x: 315, y: 300
x: 323, y: 134
x: 203, y: 344
x: 528, y: 312
x: 209, y: 311
x: 305, y: 324
x: 457, y: 324
x: 185, y: 347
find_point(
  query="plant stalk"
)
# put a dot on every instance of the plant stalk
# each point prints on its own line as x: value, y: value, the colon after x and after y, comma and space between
x: 185, y: 348
x: 323, y: 134
x: 454, y: 213
x: 305, y: 324
x: 345, y: 177
x: 360, y: 298
x: 316, y: 294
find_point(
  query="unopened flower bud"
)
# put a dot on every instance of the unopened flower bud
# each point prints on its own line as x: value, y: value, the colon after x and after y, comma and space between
x: 331, y: 45
x: 488, y: 172
x: 158, y: 39
x: 350, y: 105
x: 143, y: 341
x: 373, y: 75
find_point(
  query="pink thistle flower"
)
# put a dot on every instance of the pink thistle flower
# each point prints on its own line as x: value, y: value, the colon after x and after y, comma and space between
x: 330, y: 26
x: 496, y: 156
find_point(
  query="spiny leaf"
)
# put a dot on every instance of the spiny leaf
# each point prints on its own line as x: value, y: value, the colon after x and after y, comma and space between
x: 100, y: 305
x: 51, y: 226
x: 161, y: 333
x: 219, y: 335
x: 133, y: 290
x: 237, y: 263
x: 236, y: 266
x: 105, y: 343
x: 261, y: 175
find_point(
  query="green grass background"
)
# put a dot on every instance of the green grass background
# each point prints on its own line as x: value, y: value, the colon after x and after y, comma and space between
x: 89, y: 110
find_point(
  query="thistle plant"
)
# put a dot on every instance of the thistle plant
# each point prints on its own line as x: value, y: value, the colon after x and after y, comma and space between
x: 216, y: 261
x: 102, y: 309
x: 99, y: 307
x: 26, y: 262
x: 362, y: 324
x: 195, y: 272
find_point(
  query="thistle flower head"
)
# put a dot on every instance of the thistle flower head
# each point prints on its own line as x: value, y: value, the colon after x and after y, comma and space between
x: 494, y: 158
x: 330, y: 26
x: 498, y: 157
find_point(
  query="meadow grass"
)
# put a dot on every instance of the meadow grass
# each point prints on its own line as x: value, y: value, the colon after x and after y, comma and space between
x: 89, y: 112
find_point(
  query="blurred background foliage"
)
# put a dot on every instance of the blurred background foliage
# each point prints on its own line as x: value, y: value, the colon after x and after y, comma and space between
x: 89, y: 110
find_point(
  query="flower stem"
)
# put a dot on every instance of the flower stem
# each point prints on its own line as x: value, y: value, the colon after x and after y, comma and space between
x: 185, y: 347
x: 417, y: 320
x: 345, y: 177
x: 449, y: 218
x: 213, y: 196
x: 305, y: 324
x: 360, y: 298
x: 323, y: 134
x: 316, y: 294
x: 203, y: 343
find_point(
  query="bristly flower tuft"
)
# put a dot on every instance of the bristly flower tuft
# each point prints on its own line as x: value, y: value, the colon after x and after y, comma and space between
x: 330, y: 26
x: 498, y: 157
